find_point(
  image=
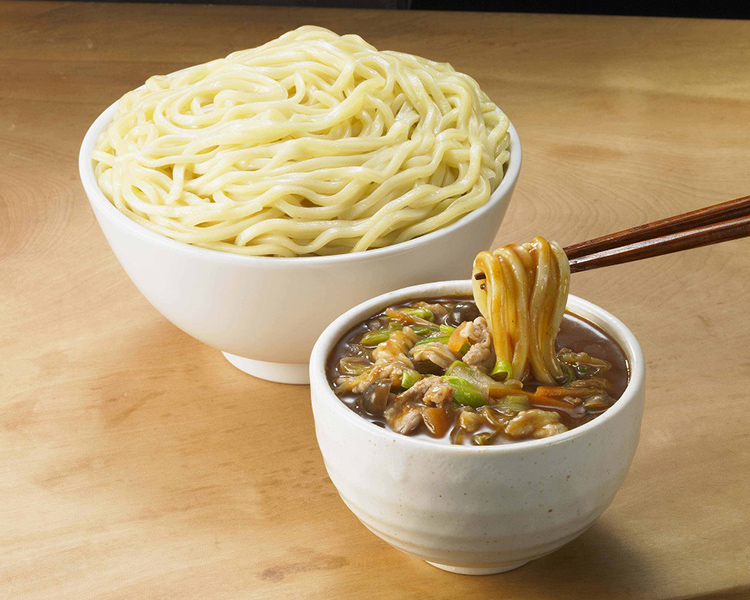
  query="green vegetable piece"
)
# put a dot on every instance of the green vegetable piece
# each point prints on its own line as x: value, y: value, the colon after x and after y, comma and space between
x: 455, y: 368
x: 464, y: 349
x: 570, y: 374
x: 421, y: 312
x: 482, y: 439
x: 447, y: 329
x: 585, y: 369
x: 434, y: 338
x: 471, y: 374
x: 502, y: 369
x: 409, y: 377
x: 423, y: 329
x: 373, y: 338
x: 465, y: 392
x: 513, y: 403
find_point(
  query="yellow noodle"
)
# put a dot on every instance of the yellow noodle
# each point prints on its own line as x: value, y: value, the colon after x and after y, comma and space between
x: 313, y: 143
x: 522, y: 292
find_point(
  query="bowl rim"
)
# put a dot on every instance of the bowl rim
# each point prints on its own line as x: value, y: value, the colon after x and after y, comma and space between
x: 104, y: 207
x: 323, y: 394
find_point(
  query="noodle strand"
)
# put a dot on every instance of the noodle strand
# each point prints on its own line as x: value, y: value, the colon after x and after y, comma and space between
x: 313, y: 143
x: 522, y: 292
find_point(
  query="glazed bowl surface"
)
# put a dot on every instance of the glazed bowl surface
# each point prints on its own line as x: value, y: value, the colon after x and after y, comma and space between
x: 475, y: 509
x: 265, y: 313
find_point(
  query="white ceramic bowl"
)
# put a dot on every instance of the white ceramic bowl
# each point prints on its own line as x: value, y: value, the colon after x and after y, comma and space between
x: 265, y: 313
x: 475, y: 510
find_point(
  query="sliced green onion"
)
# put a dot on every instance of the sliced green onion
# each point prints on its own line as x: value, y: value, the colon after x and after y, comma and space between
x: 482, y: 439
x: 435, y: 338
x: 471, y: 374
x: 455, y: 367
x: 465, y: 392
x: 409, y: 377
x: 502, y: 367
x: 570, y: 374
x: 513, y: 403
x: 447, y: 329
x: 422, y: 313
x: 465, y: 348
x: 423, y: 329
x: 373, y: 338
x: 395, y: 325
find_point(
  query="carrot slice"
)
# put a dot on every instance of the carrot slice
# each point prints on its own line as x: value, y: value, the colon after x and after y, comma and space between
x: 561, y: 392
x: 457, y: 340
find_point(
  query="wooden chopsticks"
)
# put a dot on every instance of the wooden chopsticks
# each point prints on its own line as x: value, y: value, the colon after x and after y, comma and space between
x: 702, y: 227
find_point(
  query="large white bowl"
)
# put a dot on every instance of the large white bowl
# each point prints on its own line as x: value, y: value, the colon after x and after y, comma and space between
x: 265, y: 313
x: 475, y: 510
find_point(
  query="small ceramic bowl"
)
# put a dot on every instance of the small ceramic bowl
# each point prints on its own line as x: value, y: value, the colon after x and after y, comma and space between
x: 475, y: 509
x: 265, y: 313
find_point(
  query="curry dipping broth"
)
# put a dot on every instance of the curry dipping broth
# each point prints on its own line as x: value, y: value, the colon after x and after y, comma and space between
x: 424, y: 368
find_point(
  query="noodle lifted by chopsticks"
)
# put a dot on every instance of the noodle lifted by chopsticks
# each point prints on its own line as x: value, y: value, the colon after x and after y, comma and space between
x: 522, y: 291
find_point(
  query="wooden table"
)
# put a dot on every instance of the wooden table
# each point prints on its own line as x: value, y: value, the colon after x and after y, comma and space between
x: 135, y: 462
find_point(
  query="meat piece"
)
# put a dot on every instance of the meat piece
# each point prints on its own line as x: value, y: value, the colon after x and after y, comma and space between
x: 395, y: 347
x: 535, y: 423
x: 481, y: 354
x: 391, y: 360
x: 436, y: 309
x: 436, y: 353
x: 421, y: 403
x: 430, y: 390
x: 392, y: 371
x: 583, y: 363
x: 403, y: 417
x: 592, y: 382
x: 470, y: 420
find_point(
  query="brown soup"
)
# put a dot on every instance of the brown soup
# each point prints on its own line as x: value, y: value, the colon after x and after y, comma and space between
x: 405, y: 369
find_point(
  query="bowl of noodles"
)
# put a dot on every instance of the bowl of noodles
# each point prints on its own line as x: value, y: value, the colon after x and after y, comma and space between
x: 254, y: 198
x: 479, y: 425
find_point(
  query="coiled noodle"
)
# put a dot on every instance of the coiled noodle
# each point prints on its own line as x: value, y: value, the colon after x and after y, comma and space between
x: 313, y: 143
x: 522, y: 291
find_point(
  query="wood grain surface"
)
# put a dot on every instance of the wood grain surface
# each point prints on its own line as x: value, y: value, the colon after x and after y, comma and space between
x: 135, y: 462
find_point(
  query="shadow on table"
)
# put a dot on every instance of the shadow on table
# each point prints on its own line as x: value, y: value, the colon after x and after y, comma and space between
x: 600, y: 563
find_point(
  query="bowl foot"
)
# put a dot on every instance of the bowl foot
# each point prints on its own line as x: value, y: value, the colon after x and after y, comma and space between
x: 476, y: 570
x: 278, y: 372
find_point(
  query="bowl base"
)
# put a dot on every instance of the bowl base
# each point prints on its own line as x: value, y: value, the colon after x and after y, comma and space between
x: 278, y: 372
x: 476, y: 570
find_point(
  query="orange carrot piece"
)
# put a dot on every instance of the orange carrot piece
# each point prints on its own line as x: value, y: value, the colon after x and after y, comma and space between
x: 561, y: 392
x: 457, y: 340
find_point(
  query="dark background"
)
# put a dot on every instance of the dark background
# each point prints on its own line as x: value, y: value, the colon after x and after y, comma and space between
x: 737, y: 9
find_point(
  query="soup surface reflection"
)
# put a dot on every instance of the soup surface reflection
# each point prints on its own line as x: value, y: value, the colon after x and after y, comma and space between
x: 426, y: 368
